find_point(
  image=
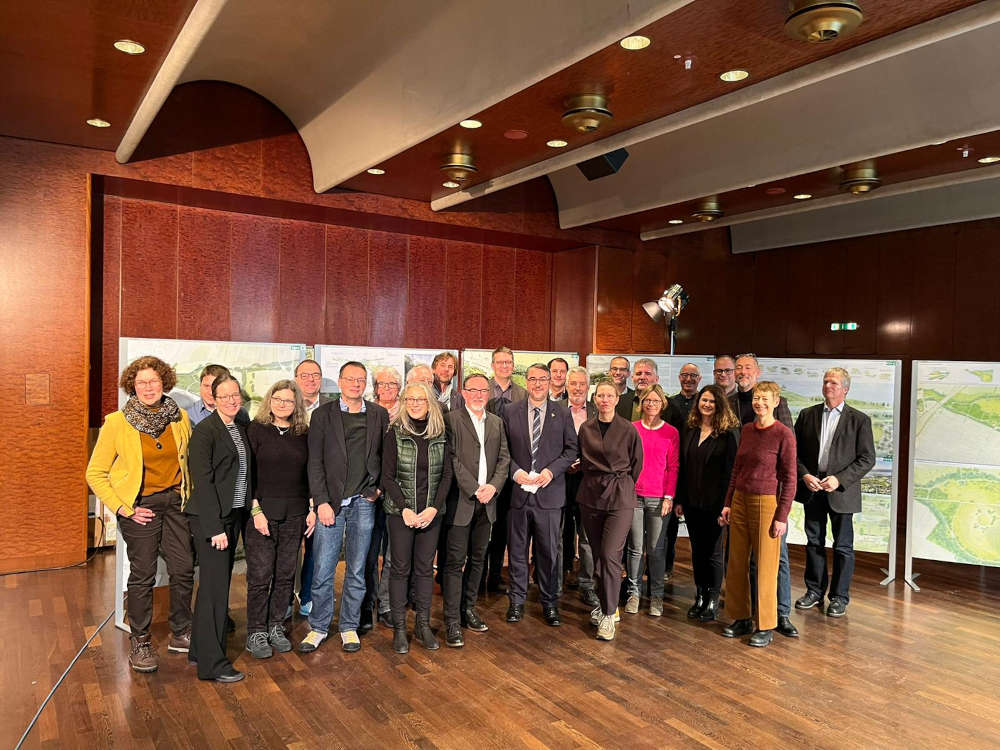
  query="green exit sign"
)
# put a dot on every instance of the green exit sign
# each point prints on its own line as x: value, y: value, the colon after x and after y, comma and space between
x: 852, y: 326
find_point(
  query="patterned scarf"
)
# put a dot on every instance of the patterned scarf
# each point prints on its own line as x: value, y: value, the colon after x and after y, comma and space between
x: 152, y: 422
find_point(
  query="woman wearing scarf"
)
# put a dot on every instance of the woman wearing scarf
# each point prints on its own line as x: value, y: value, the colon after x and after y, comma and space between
x: 139, y: 471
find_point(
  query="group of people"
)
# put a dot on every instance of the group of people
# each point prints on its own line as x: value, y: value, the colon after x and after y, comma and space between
x: 470, y: 473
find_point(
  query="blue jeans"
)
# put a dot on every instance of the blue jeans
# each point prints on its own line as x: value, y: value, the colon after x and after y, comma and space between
x: 784, y: 580
x: 352, y: 529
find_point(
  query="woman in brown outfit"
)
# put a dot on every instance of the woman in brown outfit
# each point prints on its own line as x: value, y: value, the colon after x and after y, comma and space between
x: 611, y: 460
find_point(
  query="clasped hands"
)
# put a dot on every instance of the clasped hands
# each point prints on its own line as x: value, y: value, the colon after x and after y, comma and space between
x: 419, y: 520
x: 542, y: 479
x: 815, y: 484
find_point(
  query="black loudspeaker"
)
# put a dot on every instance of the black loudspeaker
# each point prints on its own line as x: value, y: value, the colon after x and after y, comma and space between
x: 602, y: 166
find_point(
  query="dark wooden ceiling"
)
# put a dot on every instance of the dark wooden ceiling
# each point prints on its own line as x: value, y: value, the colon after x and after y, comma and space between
x: 644, y: 85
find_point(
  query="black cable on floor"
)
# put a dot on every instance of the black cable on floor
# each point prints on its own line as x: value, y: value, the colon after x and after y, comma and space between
x: 62, y: 567
x: 60, y: 680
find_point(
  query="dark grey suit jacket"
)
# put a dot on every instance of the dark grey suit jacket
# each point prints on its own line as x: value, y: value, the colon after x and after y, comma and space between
x: 215, y: 466
x: 557, y: 450
x: 465, y: 460
x: 852, y: 455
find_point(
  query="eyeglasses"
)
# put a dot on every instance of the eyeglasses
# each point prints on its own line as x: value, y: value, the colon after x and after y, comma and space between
x: 354, y: 381
x: 723, y: 370
x: 230, y: 399
x: 282, y: 401
x: 387, y: 385
x: 148, y: 383
x: 411, y: 400
x: 477, y: 391
x: 656, y: 401
x: 534, y: 380
x: 690, y: 375
x: 310, y: 375
x: 509, y: 362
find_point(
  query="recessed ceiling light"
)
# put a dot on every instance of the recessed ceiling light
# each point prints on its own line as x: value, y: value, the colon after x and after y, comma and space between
x: 676, y: 221
x: 732, y: 76
x: 775, y: 191
x: 802, y: 196
x: 97, y: 122
x: 515, y: 134
x: 635, y: 42
x: 450, y: 184
x: 556, y: 143
x: 375, y: 170
x: 129, y: 47
x: 989, y: 160
x: 677, y: 57
x: 471, y: 124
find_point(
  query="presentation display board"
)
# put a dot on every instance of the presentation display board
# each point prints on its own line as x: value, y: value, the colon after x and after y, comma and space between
x: 667, y: 367
x: 480, y: 361
x: 954, y: 500
x: 332, y: 358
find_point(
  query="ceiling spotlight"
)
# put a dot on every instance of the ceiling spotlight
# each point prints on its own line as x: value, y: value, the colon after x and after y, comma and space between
x: 635, y: 42
x: 375, y: 170
x: 459, y: 167
x: 556, y: 143
x: 129, y: 47
x: 471, y: 124
x: 822, y: 20
x: 802, y: 196
x: 666, y: 309
x: 450, y: 184
x: 734, y: 76
x: 708, y: 209
x: 965, y: 150
x: 676, y: 221
x: 97, y: 122
x: 586, y: 113
x: 860, y: 177
x: 989, y: 160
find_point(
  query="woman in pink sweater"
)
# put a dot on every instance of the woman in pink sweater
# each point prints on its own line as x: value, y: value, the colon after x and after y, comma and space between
x: 655, y: 489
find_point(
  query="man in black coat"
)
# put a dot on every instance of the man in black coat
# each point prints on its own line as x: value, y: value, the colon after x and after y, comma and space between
x: 835, y: 450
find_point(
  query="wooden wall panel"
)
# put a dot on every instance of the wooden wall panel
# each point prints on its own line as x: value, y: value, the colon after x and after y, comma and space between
x: 111, y: 308
x: 860, y: 297
x: 651, y: 274
x: 977, y: 301
x: 203, y: 304
x: 149, y: 269
x: 933, y: 295
x: 574, y: 283
x: 894, y: 323
x: 387, y: 281
x: 532, y: 301
x: 463, y: 295
x: 500, y: 297
x: 613, y: 328
x: 426, y: 307
x: 347, y: 286
x: 301, y: 268
x: 254, y: 295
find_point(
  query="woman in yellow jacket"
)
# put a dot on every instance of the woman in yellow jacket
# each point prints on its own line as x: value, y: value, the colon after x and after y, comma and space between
x: 139, y: 471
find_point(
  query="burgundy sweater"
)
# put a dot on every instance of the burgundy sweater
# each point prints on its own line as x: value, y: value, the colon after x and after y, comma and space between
x: 766, y: 464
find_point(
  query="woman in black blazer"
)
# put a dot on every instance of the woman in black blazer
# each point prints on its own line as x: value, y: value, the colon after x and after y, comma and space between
x: 219, y: 461
x: 708, y: 450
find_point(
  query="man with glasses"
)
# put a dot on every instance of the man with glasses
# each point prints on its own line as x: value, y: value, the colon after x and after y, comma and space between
x: 204, y: 406
x: 481, y: 461
x: 309, y: 379
x: 345, y: 466
x: 618, y: 371
x: 574, y: 535
x: 502, y: 385
x: 542, y: 443
x: 683, y: 400
x: 747, y: 371
x: 725, y: 373
x: 386, y: 383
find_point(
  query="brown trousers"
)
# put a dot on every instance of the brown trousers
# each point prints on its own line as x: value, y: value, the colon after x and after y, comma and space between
x: 749, y: 532
x: 607, y: 531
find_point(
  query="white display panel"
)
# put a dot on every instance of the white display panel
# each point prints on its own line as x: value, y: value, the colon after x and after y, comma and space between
x: 480, y: 361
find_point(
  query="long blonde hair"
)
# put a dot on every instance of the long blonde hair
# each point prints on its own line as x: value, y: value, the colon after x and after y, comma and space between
x: 298, y: 420
x: 435, y: 417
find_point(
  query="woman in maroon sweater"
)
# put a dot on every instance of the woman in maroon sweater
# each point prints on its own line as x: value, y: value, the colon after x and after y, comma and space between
x: 756, y: 510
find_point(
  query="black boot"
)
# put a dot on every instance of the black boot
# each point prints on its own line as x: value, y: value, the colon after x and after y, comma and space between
x: 400, y: 644
x: 699, y: 604
x: 423, y: 633
x: 711, y: 609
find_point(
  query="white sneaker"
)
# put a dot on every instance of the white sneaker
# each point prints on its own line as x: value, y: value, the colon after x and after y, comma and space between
x: 606, y: 628
x: 597, y: 613
x: 311, y: 641
x: 350, y: 641
x: 632, y: 604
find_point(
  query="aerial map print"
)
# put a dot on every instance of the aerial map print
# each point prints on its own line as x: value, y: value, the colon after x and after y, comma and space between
x: 479, y: 361
x: 956, y: 462
x: 331, y: 358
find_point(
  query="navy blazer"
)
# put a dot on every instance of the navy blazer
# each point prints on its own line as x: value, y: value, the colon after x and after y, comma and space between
x: 557, y: 450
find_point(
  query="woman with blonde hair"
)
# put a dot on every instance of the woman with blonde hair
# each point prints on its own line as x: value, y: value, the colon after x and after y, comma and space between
x: 139, y: 470
x: 416, y: 476
x: 280, y: 513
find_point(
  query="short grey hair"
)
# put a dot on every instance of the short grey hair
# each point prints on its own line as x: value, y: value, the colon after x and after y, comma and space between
x: 646, y: 361
x: 580, y: 369
x: 392, y: 372
x: 845, y: 376
x: 415, y: 370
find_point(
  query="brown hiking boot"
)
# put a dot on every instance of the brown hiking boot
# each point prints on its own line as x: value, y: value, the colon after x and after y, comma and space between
x: 142, y: 657
x: 180, y: 643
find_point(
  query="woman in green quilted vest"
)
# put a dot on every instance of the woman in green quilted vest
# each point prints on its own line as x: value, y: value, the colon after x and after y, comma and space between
x: 416, y: 477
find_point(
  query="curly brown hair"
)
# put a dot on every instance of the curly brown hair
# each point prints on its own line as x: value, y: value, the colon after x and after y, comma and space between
x: 724, y: 418
x: 165, y: 371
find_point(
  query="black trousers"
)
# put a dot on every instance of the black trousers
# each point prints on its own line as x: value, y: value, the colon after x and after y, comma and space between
x: 169, y: 535
x: 271, y: 563
x: 380, y: 533
x: 670, y: 540
x: 842, y: 525
x: 413, y: 551
x: 607, y: 531
x: 707, y: 546
x: 540, y: 528
x: 208, y: 632
x: 465, y: 559
x: 498, y: 538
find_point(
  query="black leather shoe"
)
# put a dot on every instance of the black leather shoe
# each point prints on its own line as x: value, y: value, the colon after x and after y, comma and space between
x: 385, y: 618
x: 472, y: 620
x: 400, y: 643
x: 810, y: 600
x: 231, y: 676
x: 551, y: 615
x: 694, y: 611
x: 454, y: 636
x: 711, y: 609
x: 836, y: 608
x: 367, y: 621
x: 422, y: 632
x: 761, y: 639
x: 589, y: 597
x: 786, y: 628
x: 738, y: 628
x: 515, y: 613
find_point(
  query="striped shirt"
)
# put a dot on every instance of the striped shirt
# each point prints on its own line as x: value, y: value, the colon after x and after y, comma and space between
x: 240, y: 498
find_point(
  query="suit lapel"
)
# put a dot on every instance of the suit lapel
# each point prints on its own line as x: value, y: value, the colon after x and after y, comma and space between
x: 465, y: 419
x: 338, y: 426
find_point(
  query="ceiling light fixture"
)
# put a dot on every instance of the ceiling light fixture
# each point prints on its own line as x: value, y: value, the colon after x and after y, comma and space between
x: 375, y: 170
x: 635, y: 42
x: 676, y: 221
x: 965, y: 150
x: 129, y: 47
x: 860, y: 177
x: 586, y: 112
x: 556, y: 143
x: 817, y: 21
x: 734, y: 76
x: 802, y: 196
x: 989, y: 160
x: 708, y: 209
x: 459, y: 167
x: 450, y: 184
x: 97, y: 122
x: 515, y: 134
x: 471, y: 124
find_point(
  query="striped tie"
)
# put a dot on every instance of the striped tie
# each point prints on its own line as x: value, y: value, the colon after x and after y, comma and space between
x: 536, y: 433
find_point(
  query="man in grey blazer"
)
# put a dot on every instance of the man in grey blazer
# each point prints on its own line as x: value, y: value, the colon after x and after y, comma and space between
x: 481, y: 460
x: 835, y: 450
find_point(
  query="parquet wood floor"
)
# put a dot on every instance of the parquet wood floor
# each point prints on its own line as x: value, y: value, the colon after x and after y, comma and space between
x: 903, y: 669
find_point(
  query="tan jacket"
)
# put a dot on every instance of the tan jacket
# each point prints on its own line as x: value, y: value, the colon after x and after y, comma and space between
x: 115, y: 469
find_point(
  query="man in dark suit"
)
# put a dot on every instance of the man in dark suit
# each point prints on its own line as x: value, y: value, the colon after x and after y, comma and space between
x: 835, y: 449
x: 345, y: 465
x: 574, y: 536
x: 558, y: 369
x: 481, y: 461
x: 747, y: 375
x: 618, y: 371
x: 542, y: 443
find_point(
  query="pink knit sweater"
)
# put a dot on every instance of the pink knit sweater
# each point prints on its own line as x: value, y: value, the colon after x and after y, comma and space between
x: 661, y: 449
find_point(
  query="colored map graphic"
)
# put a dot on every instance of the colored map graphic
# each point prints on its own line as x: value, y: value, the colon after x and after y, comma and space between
x: 331, y: 358
x: 479, y: 361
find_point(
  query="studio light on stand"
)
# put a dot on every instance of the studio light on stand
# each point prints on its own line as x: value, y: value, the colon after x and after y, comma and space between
x: 667, y: 308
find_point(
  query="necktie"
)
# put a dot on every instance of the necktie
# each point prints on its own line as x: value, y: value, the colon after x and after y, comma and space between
x: 824, y: 438
x: 536, y: 433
